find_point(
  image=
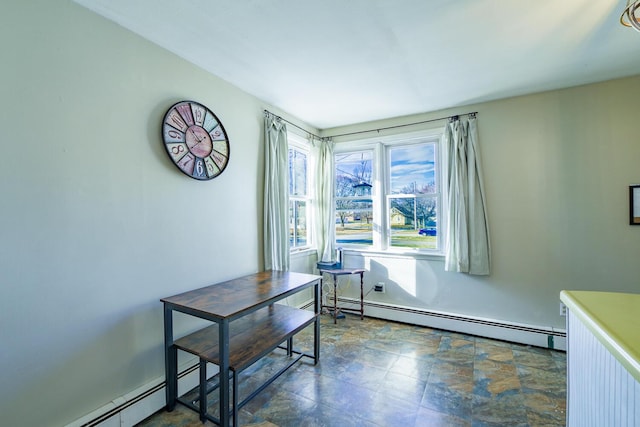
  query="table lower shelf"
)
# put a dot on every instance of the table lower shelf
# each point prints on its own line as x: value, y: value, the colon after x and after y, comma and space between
x: 250, y: 338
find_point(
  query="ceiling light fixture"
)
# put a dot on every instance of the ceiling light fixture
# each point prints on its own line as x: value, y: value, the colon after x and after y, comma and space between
x: 628, y: 17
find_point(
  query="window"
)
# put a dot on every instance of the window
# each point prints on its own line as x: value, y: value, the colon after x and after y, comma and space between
x: 299, y: 200
x: 354, y: 205
x: 388, y: 193
x: 413, y: 196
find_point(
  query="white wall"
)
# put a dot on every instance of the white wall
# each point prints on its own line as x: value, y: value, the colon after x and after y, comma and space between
x: 557, y: 169
x: 96, y: 224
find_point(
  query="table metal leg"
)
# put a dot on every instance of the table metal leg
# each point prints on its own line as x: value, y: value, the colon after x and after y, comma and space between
x: 316, y: 331
x: 203, y: 390
x: 335, y: 299
x: 235, y: 399
x: 170, y: 361
x: 223, y: 345
x: 361, y: 296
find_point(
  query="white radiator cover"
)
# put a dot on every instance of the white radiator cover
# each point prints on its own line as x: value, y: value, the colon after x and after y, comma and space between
x: 600, y: 390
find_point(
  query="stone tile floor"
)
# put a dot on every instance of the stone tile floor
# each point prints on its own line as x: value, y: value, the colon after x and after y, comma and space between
x: 380, y: 373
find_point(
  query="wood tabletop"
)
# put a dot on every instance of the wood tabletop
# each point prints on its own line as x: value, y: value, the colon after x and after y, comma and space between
x: 235, y: 297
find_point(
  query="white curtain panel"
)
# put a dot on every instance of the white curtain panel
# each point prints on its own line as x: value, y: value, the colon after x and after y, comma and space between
x: 276, y: 195
x: 467, y: 246
x: 323, y: 208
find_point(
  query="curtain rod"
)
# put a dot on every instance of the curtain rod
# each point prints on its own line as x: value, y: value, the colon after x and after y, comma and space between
x: 267, y: 112
x: 454, y: 117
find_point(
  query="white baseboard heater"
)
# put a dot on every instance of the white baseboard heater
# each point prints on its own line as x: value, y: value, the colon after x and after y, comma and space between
x: 129, y: 410
x: 539, y: 336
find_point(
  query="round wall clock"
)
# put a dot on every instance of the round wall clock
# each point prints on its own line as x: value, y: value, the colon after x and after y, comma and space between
x: 195, y: 140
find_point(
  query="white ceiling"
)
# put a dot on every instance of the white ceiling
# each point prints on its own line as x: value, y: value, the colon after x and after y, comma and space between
x: 337, y: 62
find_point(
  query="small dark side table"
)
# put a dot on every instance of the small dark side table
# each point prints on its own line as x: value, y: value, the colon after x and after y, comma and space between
x: 343, y: 272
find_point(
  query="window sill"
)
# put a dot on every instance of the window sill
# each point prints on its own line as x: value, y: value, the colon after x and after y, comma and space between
x: 431, y: 256
x: 302, y: 252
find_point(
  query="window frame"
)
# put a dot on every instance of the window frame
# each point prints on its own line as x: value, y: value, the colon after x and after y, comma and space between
x: 301, y: 144
x: 355, y: 198
x: 381, y: 191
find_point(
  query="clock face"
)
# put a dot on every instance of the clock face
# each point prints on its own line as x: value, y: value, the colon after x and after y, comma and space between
x: 195, y: 140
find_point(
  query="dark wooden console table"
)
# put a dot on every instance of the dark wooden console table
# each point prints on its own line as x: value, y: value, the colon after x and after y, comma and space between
x: 243, y: 310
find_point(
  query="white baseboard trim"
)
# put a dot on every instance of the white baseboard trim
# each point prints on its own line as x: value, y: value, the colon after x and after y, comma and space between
x: 130, y: 409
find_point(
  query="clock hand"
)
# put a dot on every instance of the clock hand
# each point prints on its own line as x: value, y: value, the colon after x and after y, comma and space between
x: 195, y: 135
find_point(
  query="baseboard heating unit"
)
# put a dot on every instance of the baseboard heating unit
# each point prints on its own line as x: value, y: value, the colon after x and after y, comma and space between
x: 539, y: 336
x: 141, y: 403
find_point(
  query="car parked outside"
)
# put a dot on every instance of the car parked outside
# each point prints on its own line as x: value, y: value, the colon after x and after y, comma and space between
x: 429, y: 231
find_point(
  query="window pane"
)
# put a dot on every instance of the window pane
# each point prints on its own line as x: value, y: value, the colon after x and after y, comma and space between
x: 297, y: 223
x: 354, y: 174
x: 297, y: 173
x: 354, y: 222
x: 413, y: 169
x: 413, y: 222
